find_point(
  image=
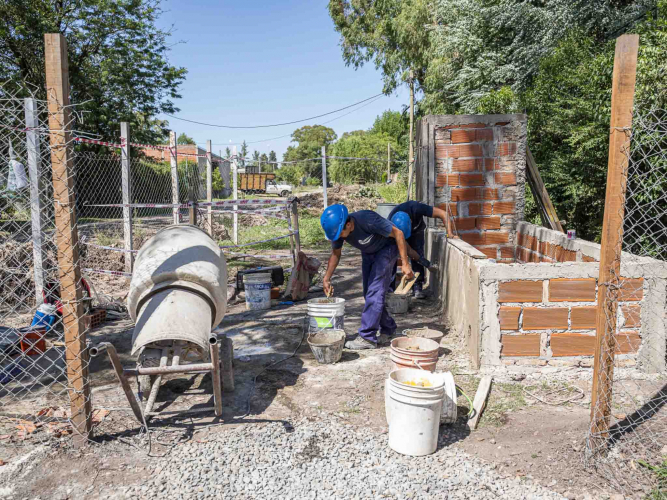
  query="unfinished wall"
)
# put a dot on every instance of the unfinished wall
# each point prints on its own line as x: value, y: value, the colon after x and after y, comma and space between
x: 539, y: 244
x: 474, y: 166
x: 534, y: 315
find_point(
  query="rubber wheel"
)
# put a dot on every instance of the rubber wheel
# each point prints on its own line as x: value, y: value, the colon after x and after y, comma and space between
x: 284, y: 194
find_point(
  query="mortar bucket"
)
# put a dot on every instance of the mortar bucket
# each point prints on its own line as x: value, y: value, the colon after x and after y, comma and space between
x: 397, y: 303
x: 327, y: 345
x: 413, y: 420
x: 414, y: 353
x: 326, y: 313
x: 257, y: 291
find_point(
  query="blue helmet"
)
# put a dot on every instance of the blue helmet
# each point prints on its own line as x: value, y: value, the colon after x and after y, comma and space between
x: 333, y: 221
x: 402, y: 221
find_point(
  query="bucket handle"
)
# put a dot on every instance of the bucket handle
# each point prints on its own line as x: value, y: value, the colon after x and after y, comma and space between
x: 332, y: 324
x: 416, y: 363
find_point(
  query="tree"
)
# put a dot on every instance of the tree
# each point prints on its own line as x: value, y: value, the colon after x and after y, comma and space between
x: 228, y: 153
x: 310, y: 140
x: 361, y: 146
x: 118, y: 65
x: 273, y: 157
x: 397, y: 126
x: 244, y: 149
x: 389, y: 32
x: 255, y: 157
x: 185, y: 139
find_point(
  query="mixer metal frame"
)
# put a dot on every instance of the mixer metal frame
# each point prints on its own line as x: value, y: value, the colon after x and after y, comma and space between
x: 174, y: 350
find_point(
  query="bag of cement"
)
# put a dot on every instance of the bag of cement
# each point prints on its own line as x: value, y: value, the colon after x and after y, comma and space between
x: 299, y: 281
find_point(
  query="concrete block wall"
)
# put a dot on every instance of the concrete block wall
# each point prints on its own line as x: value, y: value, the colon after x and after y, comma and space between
x: 480, y: 164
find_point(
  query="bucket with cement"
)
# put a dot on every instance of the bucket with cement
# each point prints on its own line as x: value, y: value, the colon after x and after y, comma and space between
x: 327, y: 345
x: 414, y: 353
x: 413, y: 415
x: 326, y: 313
x: 424, y: 333
x: 397, y: 303
x: 257, y: 291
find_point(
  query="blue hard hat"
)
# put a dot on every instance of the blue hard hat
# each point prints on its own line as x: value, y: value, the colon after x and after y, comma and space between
x: 333, y: 221
x: 402, y: 221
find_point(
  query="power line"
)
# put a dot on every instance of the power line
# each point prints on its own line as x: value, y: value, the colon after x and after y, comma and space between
x: 289, y: 135
x: 275, y: 124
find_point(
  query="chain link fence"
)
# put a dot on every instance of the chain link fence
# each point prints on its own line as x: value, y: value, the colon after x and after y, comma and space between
x: 628, y: 444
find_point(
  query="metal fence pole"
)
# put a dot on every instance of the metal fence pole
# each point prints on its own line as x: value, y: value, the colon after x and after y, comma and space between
x: 324, y: 177
x: 236, y: 197
x: 622, y: 97
x: 127, y: 193
x: 173, y: 154
x: 36, y: 209
x: 76, y: 353
x: 209, y: 184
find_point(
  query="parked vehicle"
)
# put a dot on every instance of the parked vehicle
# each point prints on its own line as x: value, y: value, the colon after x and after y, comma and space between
x: 263, y: 184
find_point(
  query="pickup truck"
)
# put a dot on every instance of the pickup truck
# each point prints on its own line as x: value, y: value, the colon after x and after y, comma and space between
x: 264, y: 184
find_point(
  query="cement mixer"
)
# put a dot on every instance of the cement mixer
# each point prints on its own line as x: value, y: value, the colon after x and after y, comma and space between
x: 178, y: 294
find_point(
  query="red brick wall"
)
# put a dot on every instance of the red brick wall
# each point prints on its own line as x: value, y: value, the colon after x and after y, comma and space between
x: 480, y: 172
x: 554, y: 319
x: 536, y: 244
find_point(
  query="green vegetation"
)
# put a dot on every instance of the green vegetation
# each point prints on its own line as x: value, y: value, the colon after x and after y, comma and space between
x: 118, y: 61
x: 552, y: 60
x: 660, y: 473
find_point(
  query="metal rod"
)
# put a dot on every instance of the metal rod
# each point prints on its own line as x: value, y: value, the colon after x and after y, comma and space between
x: 217, y: 389
x: 161, y: 370
x: 181, y: 412
x: 118, y: 368
x: 155, y: 388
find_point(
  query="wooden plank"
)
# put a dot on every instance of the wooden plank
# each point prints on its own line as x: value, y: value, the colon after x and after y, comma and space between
x: 173, y: 155
x: 622, y: 98
x: 209, y: 186
x: 430, y: 200
x: 67, y: 237
x: 324, y: 176
x: 36, y: 208
x: 480, y: 401
x: 127, y: 193
x: 541, y: 194
x: 235, y: 176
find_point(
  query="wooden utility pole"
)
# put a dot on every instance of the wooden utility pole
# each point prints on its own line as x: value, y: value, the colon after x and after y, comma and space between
x: 622, y: 97
x: 36, y: 208
x: 325, y: 202
x: 67, y: 237
x: 173, y: 155
x: 126, y: 182
x: 411, y: 153
x: 209, y: 185
x: 235, y: 230
x: 388, y: 162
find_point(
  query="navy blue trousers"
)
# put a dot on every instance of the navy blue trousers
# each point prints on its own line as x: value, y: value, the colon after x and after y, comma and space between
x: 377, y: 269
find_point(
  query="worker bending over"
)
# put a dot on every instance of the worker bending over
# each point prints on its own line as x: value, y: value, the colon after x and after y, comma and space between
x: 380, y: 243
x: 409, y: 218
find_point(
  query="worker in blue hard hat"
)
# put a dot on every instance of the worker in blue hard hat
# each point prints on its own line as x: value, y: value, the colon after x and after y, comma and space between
x: 380, y: 243
x: 409, y: 218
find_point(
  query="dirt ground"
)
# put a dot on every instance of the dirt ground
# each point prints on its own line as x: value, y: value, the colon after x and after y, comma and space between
x: 519, y: 434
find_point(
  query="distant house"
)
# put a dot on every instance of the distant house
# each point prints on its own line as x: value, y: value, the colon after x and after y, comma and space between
x: 187, y: 151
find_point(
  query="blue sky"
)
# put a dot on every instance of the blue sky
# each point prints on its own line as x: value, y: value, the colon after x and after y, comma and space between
x: 262, y: 62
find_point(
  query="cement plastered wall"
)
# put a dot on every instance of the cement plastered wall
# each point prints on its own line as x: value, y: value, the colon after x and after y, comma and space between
x: 456, y: 286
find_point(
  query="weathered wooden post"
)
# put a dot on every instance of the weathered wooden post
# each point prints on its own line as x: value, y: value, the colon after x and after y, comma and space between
x: 324, y: 177
x: 209, y: 185
x: 67, y: 237
x: 173, y: 155
x: 126, y: 181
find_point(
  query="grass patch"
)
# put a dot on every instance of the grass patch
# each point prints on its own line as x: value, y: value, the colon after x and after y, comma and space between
x: 660, y: 476
x: 504, y: 398
x: 107, y: 238
x: 393, y: 193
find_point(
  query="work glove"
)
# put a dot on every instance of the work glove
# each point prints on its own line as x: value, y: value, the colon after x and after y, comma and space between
x: 424, y: 262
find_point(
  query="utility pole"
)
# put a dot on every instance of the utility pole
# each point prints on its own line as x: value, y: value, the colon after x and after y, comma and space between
x: 388, y: 162
x: 411, y: 159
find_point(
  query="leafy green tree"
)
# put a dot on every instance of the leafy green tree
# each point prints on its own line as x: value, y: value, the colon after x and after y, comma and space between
x: 309, y: 140
x: 118, y: 60
x: 228, y: 152
x: 290, y: 174
x: 390, y: 33
x: 255, y: 157
x: 244, y: 149
x: 361, y: 146
x: 397, y: 126
x: 273, y: 157
x: 185, y: 139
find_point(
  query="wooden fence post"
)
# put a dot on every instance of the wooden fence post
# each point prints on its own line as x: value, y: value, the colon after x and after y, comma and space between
x: 126, y: 181
x: 324, y: 177
x: 36, y: 208
x: 173, y: 154
x: 622, y: 97
x: 209, y: 185
x: 67, y: 238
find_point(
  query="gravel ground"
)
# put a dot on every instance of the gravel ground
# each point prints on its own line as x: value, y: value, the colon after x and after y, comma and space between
x: 321, y: 459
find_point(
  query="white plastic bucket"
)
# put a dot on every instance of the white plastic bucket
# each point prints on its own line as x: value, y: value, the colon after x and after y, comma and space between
x: 413, y: 420
x: 257, y: 291
x: 326, y: 313
x: 397, y: 303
